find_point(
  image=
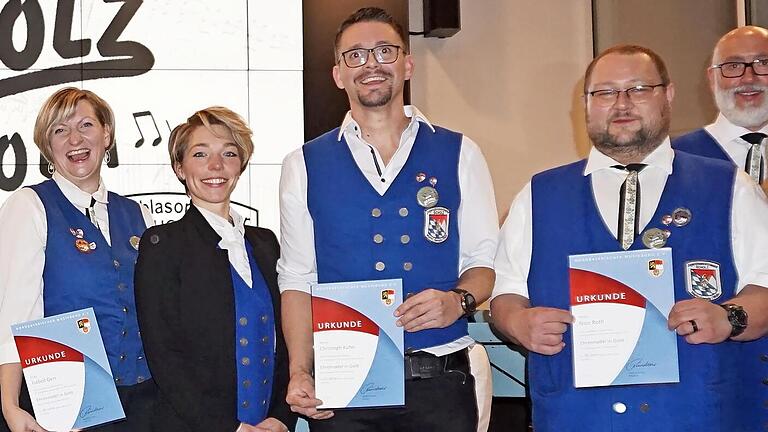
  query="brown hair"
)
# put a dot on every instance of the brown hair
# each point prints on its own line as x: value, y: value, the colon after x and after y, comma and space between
x: 215, y: 115
x: 369, y: 14
x: 629, y: 50
x: 60, y: 106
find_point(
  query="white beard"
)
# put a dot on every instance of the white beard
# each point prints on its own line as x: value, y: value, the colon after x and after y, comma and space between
x: 750, y: 118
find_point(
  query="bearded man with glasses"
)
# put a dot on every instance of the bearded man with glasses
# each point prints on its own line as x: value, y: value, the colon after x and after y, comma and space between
x: 738, y: 78
x: 388, y: 195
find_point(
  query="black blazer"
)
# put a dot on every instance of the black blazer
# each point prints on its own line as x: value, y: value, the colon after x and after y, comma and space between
x: 186, y: 310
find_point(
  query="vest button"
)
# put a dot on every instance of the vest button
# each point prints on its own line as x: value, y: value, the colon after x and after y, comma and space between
x: 264, y: 360
x: 765, y: 381
x: 764, y: 357
x: 264, y: 339
x: 247, y: 383
x: 118, y: 380
x: 121, y: 286
x: 405, y: 238
x: 125, y: 309
x: 264, y: 381
x: 644, y: 407
x: 378, y: 238
x: 140, y: 379
x: 116, y: 263
x: 245, y: 361
x: 407, y: 266
x: 403, y: 212
x: 619, y: 408
x: 243, y: 342
x: 263, y: 402
x: 376, y: 212
x: 243, y: 321
x: 245, y: 404
x: 122, y: 357
x: 264, y: 318
x: 154, y: 239
x: 124, y: 333
x: 380, y: 266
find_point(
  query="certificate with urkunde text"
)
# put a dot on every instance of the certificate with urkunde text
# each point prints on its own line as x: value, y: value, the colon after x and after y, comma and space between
x: 67, y: 371
x: 621, y: 302
x: 358, y: 348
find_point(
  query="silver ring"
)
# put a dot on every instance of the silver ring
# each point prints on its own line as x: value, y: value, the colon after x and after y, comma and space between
x: 695, y: 327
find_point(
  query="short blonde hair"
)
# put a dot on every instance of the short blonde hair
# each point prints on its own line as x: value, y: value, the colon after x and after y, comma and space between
x: 215, y: 115
x: 61, y: 106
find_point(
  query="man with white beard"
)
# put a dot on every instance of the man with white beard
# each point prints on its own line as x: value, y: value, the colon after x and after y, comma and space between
x: 738, y: 78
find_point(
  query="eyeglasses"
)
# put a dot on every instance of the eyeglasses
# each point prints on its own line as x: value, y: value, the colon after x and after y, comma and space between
x: 384, y: 54
x: 737, y: 69
x: 637, y: 94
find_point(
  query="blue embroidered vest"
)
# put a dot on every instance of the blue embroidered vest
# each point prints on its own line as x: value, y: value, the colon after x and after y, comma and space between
x: 700, y: 142
x: 566, y: 221
x: 101, y: 278
x: 361, y: 235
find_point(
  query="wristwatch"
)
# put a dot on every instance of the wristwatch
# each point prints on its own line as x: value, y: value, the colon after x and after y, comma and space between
x: 737, y: 317
x: 468, y: 302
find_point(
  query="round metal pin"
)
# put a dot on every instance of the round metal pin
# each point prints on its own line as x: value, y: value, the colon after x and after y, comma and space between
x: 79, y: 233
x: 681, y: 216
x: 420, y: 177
x: 654, y: 238
x: 134, y: 240
x: 666, y: 219
x: 433, y: 181
x: 83, y: 246
x: 427, y: 197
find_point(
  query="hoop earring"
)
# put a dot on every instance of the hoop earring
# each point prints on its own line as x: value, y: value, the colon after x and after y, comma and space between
x: 51, y: 168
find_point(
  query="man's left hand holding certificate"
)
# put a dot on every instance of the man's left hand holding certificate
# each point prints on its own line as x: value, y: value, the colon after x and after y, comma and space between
x: 67, y: 372
x: 358, y: 347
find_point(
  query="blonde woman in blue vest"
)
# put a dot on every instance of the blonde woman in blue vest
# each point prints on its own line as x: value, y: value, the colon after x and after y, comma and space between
x: 68, y: 244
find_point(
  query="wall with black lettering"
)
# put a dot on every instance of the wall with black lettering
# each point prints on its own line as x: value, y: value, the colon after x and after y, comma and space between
x: 155, y: 63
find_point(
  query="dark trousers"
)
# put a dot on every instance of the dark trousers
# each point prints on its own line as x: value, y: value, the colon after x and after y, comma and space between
x: 138, y: 403
x: 445, y: 403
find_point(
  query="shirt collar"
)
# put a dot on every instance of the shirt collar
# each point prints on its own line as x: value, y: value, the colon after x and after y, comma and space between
x: 350, y: 125
x: 77, y: 196
x: 724, y: 131
x: 660, y: 158
x: 223, y: 228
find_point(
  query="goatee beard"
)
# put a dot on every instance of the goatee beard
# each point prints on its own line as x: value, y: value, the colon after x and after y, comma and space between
x: 639, y: 145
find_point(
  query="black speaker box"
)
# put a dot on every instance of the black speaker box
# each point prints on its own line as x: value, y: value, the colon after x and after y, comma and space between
x: 442, y: 18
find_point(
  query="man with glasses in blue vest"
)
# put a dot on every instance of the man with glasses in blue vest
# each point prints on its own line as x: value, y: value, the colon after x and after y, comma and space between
x: 738, y: 79
x: 389, y: 195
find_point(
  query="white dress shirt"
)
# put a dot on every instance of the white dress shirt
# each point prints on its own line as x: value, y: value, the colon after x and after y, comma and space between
x: 477, y: 215
x: 728, y: 135
x: 749, y: 232
x: 232, y: 240
x: 24, y: 232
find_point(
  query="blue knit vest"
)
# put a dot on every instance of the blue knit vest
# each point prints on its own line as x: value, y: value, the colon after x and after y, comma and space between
x: 566, y: 222
x: 348, y: 213
x: 254, y: 344
x: 101, y: 278
x: 754, y: 367
x: 700, y: 142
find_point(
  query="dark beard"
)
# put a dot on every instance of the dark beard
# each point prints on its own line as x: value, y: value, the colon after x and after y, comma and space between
x: 376, y: 99
x: 641, y: 144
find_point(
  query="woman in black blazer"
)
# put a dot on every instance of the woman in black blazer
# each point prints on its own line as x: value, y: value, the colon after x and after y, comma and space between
x: 207, y: 296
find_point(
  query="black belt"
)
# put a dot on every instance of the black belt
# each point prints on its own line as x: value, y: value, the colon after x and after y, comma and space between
x: 422, y: 365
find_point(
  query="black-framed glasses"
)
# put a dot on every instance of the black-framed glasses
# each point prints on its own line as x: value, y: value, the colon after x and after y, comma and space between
x: 637, y: 94
x: 737, y: 69
x: 384, y: 54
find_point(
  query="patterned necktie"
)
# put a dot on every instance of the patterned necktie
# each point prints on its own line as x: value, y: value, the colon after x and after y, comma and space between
x: 92, y: 213
x: 629, y: 205
x: 754, y: 163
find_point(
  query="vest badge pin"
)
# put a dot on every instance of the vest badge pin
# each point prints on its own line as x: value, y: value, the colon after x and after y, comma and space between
x: 134, y: 241
x: 84, y: 246
x: 436, y: 221
x: 703, y: 279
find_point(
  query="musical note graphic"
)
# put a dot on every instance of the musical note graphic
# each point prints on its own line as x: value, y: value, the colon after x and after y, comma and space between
x: 136, y: 115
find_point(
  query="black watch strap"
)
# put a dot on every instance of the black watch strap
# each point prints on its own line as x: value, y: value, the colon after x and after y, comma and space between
x: 737, y: 316
x: 468, y: 302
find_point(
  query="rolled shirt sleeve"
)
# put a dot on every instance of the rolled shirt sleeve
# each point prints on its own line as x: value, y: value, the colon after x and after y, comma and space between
x: 513, y: 258
x: 749, y: 232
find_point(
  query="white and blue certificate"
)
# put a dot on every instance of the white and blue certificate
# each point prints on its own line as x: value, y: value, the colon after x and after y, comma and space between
x: 67, y: 371
x: 621, y: 302
x: 358, y: 348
